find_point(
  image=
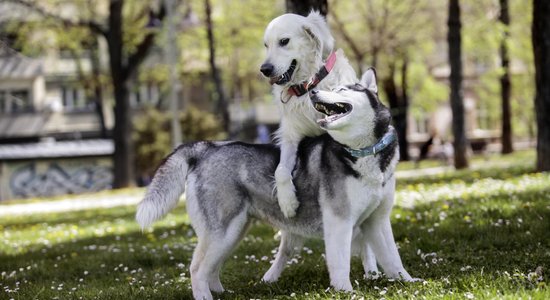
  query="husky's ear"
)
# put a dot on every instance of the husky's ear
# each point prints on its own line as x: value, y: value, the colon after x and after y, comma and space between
x: 368, y: 80
x: 316, y: 28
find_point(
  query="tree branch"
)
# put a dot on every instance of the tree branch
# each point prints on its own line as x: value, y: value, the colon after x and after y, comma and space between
x: 93, y: 26
x: 143, y: 48
x: 359, y: 55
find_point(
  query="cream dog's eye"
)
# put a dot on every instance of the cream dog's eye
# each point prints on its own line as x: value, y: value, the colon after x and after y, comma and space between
x: 284, y: 42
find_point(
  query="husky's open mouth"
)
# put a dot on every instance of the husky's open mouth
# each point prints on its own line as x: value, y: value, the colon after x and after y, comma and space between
x: 333, y: 111
x: 286, y: 76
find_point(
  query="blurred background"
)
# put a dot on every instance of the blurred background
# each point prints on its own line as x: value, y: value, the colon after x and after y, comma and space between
x: 94, y: 93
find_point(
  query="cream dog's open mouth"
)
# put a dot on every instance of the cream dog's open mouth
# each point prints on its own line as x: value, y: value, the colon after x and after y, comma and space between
x: 286, y: 76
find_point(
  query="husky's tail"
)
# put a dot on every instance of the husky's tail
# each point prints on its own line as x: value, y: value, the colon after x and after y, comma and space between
x: 166, y: 188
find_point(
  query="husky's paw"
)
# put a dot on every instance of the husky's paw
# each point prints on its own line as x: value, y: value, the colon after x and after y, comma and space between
x: 342, y: 285
x: 404, y: 276
x: 270, y: 277
x: 372, y: 275
x: 202, y: 294
x: 216, y: 286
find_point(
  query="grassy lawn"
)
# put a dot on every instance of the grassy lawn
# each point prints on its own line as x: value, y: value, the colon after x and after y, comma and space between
x: 483, y: 233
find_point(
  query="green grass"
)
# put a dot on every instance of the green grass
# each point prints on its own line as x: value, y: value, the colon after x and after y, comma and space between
x: 470, y: 234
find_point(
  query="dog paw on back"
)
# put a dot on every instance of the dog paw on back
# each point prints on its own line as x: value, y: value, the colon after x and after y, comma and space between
x: 288, y: 202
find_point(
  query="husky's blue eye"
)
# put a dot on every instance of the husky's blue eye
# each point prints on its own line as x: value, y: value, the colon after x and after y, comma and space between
x: 284, y: 42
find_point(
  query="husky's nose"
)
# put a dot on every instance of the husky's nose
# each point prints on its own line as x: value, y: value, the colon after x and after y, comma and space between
x: 314, y: 92
x: 267, y: 69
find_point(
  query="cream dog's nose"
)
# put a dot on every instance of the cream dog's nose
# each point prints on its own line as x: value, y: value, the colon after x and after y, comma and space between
x: 267, y: 69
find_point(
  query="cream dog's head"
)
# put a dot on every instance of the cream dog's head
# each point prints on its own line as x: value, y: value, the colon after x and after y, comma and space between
x: 296, y: 46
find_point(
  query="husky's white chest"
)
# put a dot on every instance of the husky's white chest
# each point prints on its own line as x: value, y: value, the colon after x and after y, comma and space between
x: 368, y: 191
x: 363, y: 197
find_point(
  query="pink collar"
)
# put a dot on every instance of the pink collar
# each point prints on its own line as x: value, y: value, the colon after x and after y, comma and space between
x: 306, y: 86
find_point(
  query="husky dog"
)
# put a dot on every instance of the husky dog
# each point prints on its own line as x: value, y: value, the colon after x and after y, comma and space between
x: 299, y: 58
x: 345, y: 183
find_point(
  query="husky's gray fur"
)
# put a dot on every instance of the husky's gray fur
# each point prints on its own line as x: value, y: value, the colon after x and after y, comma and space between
x: 343, y: 199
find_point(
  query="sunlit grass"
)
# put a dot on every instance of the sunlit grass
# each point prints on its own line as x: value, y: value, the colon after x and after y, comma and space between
x: 470, y: 234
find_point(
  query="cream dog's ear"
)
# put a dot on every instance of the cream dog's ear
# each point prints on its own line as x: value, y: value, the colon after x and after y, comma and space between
x: 316, y: 28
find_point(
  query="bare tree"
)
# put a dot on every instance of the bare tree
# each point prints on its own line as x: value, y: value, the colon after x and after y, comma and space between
x: 457, y: 105
x: 221, y: 104
x: 399, y: 104
x: 304, y: 7
x: 123, y: 66
x: 505, y: 84
x: 389, y: 40
x: 541, y: 49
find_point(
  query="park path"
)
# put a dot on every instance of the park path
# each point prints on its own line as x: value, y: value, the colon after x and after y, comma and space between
x: 72, y: 203
x: 95, y: 201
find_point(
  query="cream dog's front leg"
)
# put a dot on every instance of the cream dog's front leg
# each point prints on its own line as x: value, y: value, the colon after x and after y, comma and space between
x: 286, y: 193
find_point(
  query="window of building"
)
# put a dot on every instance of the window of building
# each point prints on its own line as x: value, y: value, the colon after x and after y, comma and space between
x: 3, y: 102
x: 145, y: 94
x: 21, y: 101
x: 15, y: 101
x: 75, y: 99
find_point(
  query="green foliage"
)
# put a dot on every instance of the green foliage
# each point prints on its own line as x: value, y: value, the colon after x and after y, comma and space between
x: 152, y: 140
x: 388, y: 32
x: 238, y: 32
x: 482, y: 35
x: 467, y: 236
x: 152, y: 134
x: 198, y: 125
x: 385, y: 32
x: 427, y: 93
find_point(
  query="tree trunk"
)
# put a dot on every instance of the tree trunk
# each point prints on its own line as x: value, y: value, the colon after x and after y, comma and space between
x: 541, y: 50
x: 457, y: 105
x: 505, y: 84
x: 401, y: 122
x: 398, y: 105
x: 122, y: 133
x: 304, y: 7
x: 222, y: 105
x: 97, y: 91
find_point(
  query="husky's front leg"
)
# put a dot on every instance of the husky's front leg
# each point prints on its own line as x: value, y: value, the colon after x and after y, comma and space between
x: 286, y: 193
x: 338, y: 234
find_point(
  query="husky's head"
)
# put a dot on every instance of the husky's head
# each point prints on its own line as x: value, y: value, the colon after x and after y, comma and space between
x: 353, y: 114
x: 295, y: 46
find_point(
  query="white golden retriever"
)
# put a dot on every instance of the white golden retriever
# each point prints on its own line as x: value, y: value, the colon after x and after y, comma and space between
x: 299, y: 57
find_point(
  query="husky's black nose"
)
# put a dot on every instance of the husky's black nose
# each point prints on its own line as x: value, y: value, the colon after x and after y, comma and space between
x: 267, y: 69
x: 314, y: 91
